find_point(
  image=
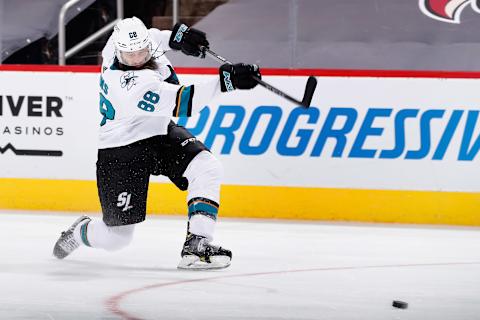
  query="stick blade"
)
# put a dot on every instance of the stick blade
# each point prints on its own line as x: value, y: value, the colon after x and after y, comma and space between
x: 309, y: 91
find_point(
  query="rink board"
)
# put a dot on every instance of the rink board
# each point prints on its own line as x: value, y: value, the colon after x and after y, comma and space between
x: 375, y: 146
x: 455, y: 208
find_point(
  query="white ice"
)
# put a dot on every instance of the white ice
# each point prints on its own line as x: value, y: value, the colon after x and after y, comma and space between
x: 280, y: 270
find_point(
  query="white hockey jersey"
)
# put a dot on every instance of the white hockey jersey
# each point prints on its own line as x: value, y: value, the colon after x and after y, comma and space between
x: 138, y: 104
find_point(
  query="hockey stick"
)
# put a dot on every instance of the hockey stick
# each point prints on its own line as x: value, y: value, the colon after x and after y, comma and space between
x: 309, y: 88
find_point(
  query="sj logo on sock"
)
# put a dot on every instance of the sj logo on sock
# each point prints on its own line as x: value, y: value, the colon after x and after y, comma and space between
x: 124, y: 201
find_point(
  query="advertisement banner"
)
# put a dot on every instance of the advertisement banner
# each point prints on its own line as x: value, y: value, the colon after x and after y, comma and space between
x: 371, y: 133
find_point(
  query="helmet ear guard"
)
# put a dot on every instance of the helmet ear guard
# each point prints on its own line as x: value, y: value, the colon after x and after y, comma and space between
x: 130, y: 35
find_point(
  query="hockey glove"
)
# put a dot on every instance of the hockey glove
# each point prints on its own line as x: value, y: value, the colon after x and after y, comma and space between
x: 188, y: 40
x: 238, y: 76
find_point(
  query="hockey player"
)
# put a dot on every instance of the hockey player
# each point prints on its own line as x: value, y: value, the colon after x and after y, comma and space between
x: 139, y: 93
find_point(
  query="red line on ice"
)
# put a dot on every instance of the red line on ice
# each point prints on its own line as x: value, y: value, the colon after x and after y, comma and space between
x: 113, y: 302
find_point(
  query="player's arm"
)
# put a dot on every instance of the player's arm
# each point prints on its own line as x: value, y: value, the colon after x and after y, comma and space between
x: 108, y: 51
x: 160, y: 39
x: 191, y: 99
x: 166, y: 99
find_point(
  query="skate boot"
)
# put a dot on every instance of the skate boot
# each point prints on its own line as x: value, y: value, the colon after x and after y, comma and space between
x: 66, y: 244
x: 198, y: 254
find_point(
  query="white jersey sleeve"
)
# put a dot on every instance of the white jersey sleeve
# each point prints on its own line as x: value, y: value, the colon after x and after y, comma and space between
x: 160, y: 39
x: 108, y: 52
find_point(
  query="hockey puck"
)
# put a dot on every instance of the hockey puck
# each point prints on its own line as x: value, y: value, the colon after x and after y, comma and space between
x: 400, y: 304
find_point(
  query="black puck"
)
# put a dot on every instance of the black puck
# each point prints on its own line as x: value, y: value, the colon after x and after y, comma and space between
x: 400, y: 304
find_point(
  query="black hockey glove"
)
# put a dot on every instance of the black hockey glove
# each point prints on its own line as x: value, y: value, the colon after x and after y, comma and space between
x: 238, y: 76
x: 188, y: 40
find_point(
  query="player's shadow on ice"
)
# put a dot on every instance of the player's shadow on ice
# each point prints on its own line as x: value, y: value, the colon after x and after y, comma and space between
x: 84, y: 270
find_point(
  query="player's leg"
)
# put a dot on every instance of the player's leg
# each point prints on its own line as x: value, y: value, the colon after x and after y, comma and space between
x: 97, y: 234
x: 190, y: 165
x: 122, y: 181
x: 204, y: 174
x: 92, y: 233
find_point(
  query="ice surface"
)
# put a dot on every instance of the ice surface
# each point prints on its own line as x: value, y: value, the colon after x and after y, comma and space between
x: 280, y: 270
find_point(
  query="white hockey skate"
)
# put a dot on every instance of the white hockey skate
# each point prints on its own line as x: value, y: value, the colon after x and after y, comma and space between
x: 66, y: 244
x: 198, y: 254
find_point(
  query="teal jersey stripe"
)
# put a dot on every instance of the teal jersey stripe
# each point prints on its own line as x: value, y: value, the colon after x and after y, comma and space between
x: 186, y: 102
x: 173, y: 76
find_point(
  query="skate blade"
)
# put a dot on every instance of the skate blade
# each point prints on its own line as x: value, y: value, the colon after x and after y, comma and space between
x: 194, y: 263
